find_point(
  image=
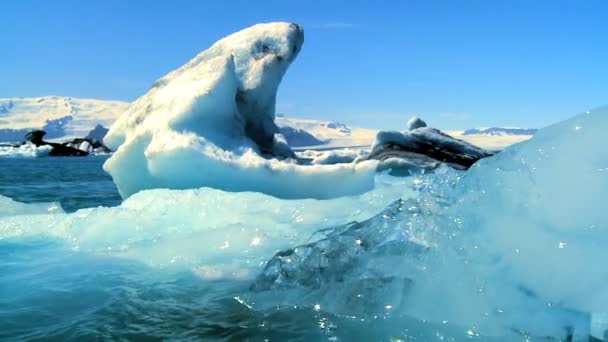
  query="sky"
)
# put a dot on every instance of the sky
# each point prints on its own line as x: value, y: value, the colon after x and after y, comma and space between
x: 457, y: 64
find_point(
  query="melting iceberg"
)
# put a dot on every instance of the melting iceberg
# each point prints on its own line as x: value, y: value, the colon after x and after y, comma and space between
x: 512, y: 247
x: 211, y: 123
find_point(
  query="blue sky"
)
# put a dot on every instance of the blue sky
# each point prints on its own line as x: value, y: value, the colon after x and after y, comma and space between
x: 458, y: 64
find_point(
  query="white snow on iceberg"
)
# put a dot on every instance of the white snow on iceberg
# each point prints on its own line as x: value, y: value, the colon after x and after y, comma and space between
x: 211, y: 123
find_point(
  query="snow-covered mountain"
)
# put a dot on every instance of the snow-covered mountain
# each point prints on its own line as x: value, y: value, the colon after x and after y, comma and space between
x: 500, y: 131
x: 332, y: 134
x: 60, y: 117
x: 65, y: 118
x: 495, y: 138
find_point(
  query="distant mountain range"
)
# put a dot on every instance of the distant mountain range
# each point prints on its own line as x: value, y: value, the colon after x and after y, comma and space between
x: 66, y: 118
x: 60, y: 117
x: 500, y: 131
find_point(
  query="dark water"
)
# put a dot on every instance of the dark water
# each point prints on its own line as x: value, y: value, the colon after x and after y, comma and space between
x: 74, y: 182
x: 49, y: 292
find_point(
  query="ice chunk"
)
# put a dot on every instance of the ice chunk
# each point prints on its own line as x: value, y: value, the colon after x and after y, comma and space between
x: 211, y: 123
x: 415, y: 122
x: 338, y: 156
x: 8, y: 207
x: 424, y: 145
x: 213, y: 232
x: 514, y: 244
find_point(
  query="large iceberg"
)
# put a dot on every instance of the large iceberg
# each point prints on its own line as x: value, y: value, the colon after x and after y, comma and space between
x: 513, y: 247
x: 211, y: 123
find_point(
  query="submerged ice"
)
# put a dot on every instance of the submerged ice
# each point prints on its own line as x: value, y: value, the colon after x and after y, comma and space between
x: 211, y: 123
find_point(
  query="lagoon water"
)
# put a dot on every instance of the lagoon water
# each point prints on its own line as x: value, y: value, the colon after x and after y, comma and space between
x: 73, y: 182
x: 50, y: 290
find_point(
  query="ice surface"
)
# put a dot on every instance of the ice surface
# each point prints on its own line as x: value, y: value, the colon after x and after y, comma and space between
x: 512, y: 246
x: 217, y: 234
x: 8, y: 207
x: 211, y: 123
x: 338, y: 156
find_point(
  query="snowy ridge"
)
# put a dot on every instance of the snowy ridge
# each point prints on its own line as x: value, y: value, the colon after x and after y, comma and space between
x: 64, y: 117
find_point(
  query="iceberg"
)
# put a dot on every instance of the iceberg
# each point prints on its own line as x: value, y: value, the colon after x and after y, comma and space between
x: 339, y: 156
x: 211, y: 123
x: 9, y: 207
x: 513, y: 247
x: 423, y: 147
